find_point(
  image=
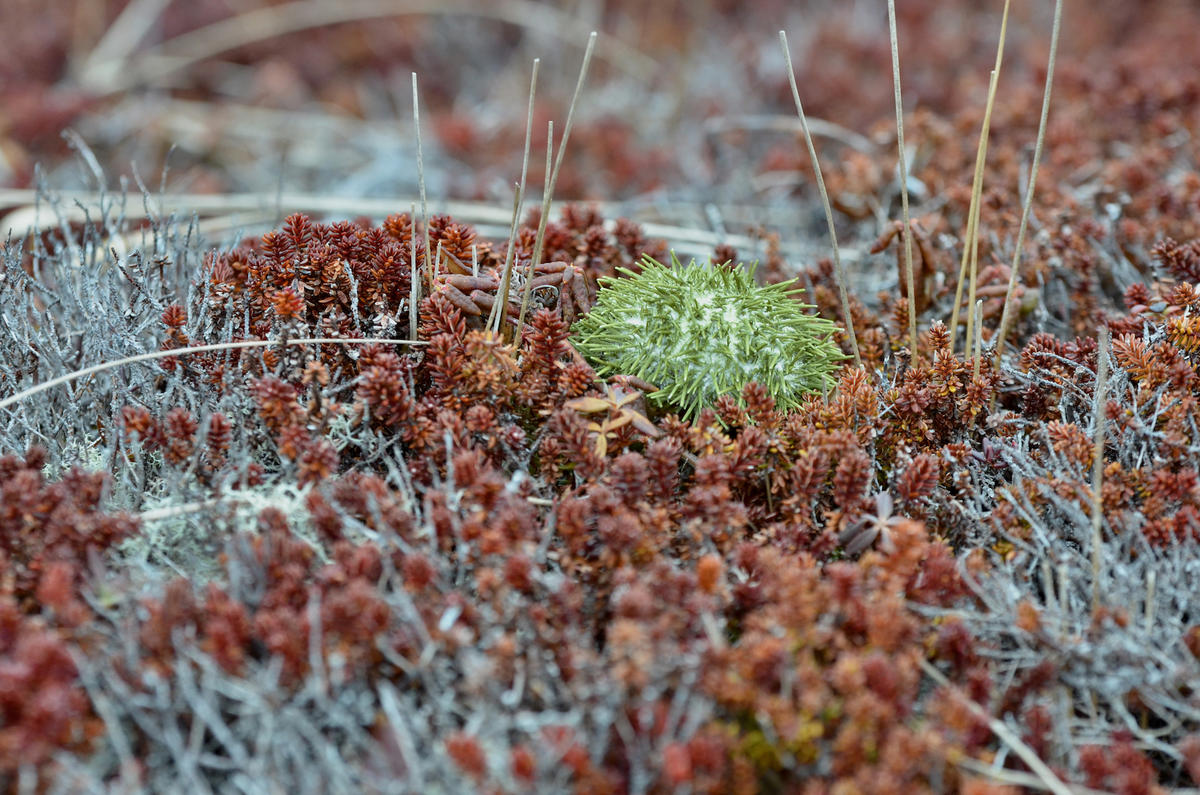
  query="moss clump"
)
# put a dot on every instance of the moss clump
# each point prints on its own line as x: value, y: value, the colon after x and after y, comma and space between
x: 703, y: 331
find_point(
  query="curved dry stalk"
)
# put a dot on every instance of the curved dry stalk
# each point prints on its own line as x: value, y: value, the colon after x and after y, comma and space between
x: 219, y: 346
x: 222, y: 213
x: 1005, y: 735
x: 820, y: 128
x: 971, y: 236
x: 122, y: 36
x: 25, y: 220
x: 838, y: 269
x: 497, y: 314
x: 1006, y: 314
x: 552, y: 180
x: 181, y: 52
x: 540, y: 239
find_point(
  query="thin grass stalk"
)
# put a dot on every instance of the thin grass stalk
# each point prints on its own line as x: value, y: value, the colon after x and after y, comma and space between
x: 971, y: 236
x: 964, y: 264
x: 496, y: 314
x: 551, y: 182
x: 978, y: 339
x: 496, y: 317
x: 1048, y: 778
x: 903, y: 164
x: 414, y: 281
x: 972, y: 242
x: 243, y: 210
x: 1006, y: 314
x: 183, y: 51
x: 421, y: 178
x: 973, y: 278
x: 540, y: 239
x: 123, y: 35
x: 1099, y: 417
x: 219, y: 346
x: 977, y: 189
x: 1151, y: 581
x: 838, y: 269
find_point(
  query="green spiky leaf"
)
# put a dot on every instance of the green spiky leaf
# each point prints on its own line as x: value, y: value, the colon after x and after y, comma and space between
x: 702, y: 331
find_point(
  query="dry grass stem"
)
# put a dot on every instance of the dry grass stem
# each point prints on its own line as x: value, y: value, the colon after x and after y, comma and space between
x: 538, y: 242
x: 971, y: 236
x: 1099, y: 417
x: 1048, y: 778
x: 241, y: 211
x: 903, y: 165
x: 978, y: 313
x: 552, y: 179
x: 185, y: 50
x: 119, y: 40
x: 421, y: 177
x: 414, y: 300
x: 497, y: 314
x: 839, y: 270
x: 1006, y: 314
x: 820, y: 128
x: 165, y: 354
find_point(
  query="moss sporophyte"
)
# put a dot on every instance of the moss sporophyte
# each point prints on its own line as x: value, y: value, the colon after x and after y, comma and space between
x: 703, y: 330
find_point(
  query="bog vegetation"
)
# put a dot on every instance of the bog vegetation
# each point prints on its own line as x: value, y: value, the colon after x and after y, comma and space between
x: 398, y: 506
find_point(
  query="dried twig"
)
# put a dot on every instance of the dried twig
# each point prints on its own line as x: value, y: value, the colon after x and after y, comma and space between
x: 1049, y: 780
x: 903, y: 164
x: 220, y: 346
x: 1099, y: 415
x: 270, y: 22
x: 552, y: 180
x: 838, y: 269
x: 971, y: 236
x: 1006, y: 314
x: 499, y: 308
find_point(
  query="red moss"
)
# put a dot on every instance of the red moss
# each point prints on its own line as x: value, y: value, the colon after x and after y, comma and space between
x: 43, y: 707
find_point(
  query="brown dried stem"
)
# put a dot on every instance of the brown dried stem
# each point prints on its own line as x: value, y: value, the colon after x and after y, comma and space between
x: 219, y: 346
x: 1005, y: 735
x: 552, y: 180
x: 903, y: 164
x: 494, y: 320
x: 1006, y: 314
x: 838, y: 269
x: 971, y: 237
x: 1098, y: 418
x: 181, y: 52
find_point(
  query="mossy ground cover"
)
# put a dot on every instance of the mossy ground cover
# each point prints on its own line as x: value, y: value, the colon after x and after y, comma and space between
x: 308, y: 487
